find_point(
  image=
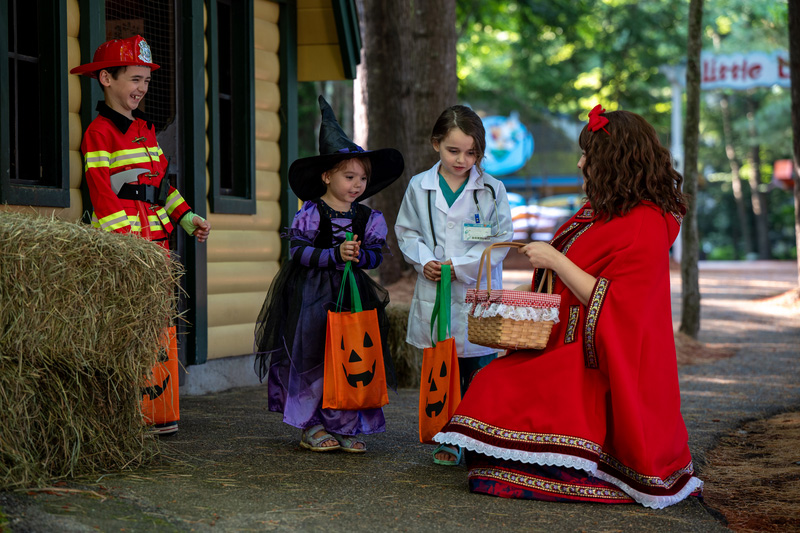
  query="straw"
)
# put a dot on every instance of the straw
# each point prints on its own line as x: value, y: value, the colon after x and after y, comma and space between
x: 81, y: 314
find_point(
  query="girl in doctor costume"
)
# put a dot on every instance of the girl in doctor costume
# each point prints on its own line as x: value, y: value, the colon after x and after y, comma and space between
x: 449, y: 215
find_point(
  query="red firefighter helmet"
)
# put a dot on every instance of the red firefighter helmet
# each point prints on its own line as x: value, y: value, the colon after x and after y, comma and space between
x: 133, y: 51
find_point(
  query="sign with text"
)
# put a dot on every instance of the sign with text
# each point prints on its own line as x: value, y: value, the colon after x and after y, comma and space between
x: 743, y: 71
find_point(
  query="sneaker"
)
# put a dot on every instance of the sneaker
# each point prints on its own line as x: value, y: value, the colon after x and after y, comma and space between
x: 162, y: 430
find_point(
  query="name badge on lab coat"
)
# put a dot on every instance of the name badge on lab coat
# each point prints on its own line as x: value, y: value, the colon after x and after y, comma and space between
x: 476, y: 232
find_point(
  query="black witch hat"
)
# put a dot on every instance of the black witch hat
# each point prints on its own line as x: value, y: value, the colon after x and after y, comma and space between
x: 305, y: 175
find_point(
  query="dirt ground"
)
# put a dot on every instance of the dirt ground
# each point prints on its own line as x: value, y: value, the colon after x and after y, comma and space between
x: 752, y: 477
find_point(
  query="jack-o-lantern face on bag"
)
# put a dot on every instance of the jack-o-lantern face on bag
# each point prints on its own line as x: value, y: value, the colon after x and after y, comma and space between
x: 435, y: 409
x: 360, y: 369
x: 159, y: 392
x: 440, y: 388
x: 354, y: 376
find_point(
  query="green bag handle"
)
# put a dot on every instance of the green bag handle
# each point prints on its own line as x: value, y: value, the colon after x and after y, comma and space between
x: 441, y: 307
x: 348, y: 276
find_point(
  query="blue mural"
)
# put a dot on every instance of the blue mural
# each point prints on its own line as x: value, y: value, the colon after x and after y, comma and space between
x: 509, y: 145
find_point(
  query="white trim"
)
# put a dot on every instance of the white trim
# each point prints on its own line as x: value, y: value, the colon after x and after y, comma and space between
x: 558, y: 459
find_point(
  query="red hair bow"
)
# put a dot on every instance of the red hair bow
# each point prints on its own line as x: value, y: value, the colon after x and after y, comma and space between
x: 596, y: 122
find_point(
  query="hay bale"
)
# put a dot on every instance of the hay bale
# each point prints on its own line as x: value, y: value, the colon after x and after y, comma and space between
x: 407, y: 358
x: 81, y: 315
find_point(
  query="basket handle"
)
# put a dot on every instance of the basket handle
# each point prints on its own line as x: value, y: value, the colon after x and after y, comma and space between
x: 548, y: 278
x: 486, y: 257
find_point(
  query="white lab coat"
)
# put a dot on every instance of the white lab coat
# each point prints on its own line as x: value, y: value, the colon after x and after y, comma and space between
x: 415, y: 239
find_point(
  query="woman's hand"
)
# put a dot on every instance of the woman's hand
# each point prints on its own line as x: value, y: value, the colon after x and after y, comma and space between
x: 542, y: 255
x: 349, y: 250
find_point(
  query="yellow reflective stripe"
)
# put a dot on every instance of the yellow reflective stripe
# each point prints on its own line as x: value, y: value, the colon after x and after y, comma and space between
x: 133, y: 156
x: 131, y: 160
x: 157, y: 222
x: 128, y: 151
x: 99, y: 158
x: 163, y: 216
x: 117, y: 220
x: 154, y: 151
x: 174, y: 200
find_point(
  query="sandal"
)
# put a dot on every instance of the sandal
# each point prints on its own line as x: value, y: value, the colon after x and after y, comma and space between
x: 452, y: 450
x: 348, y: 444
x: 308, y: 441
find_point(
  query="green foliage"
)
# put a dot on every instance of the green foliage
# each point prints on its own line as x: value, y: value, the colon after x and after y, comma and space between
x: 565, y: 56
x: 307, y: 119
x: 718, y: 223
x: 559, y: 58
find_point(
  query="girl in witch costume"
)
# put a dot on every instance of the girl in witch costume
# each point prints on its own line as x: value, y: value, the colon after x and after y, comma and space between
x: 595, y: 416
x: 291, y: 328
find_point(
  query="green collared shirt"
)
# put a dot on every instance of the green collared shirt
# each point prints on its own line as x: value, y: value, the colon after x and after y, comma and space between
x: 450, y: 195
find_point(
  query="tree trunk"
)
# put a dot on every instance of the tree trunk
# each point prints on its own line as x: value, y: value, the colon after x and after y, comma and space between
x: 690, y: 310
x: 757, y: 196
x: 794, y: 73
x: 343, y: 96
x: 736, y: 179
x: 406, y: 78
x: 759, y: 201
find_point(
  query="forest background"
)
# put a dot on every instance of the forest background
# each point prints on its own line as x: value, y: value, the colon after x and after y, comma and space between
x: 552, y: 61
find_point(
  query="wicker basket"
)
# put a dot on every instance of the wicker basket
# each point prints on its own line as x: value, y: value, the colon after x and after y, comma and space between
x: 511, y: 320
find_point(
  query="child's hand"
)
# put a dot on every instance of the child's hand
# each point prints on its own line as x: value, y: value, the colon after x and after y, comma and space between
x: 452, y: 269
x: 432, y: 271
x: 349, y: 250
x: 203, y: 228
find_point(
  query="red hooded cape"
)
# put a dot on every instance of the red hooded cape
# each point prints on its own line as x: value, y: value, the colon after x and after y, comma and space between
x: 603, y: 396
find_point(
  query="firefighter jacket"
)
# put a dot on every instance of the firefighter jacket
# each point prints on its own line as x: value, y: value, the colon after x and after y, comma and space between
x: 112, y: 144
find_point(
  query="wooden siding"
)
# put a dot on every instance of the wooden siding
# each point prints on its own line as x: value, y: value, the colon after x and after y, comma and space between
x: 75, y: 210
x: 244, y: 250
x: 318, y: 54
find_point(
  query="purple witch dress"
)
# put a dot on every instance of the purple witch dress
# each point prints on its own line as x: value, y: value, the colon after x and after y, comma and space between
x: 290, y: 332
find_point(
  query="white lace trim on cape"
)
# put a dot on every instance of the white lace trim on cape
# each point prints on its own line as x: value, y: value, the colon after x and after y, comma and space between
x: 557, y: 459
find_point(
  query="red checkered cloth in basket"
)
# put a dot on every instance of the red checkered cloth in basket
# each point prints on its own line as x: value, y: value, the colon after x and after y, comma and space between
x: 538, y: 300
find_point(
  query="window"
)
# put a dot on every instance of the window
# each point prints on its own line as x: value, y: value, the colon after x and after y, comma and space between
x: 155, y: 21
x: 34, y: 139
x: 231, y: 98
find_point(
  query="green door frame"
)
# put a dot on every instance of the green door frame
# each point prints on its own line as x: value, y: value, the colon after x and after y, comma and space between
x: 193, y: 119
x: 287, y: 24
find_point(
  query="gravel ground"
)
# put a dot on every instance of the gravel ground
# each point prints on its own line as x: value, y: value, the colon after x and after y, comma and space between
x: 236, y: 467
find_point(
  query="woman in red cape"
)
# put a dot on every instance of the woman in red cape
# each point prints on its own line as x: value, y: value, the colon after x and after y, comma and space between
x: 595, y: 416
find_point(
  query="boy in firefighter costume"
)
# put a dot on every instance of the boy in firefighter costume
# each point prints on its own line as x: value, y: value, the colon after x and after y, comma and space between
x: 130, y: 192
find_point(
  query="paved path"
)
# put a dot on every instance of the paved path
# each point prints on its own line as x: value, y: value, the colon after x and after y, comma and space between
x: 237, y: 467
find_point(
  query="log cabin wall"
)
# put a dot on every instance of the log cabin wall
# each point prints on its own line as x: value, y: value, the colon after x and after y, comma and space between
x: 244, y: 250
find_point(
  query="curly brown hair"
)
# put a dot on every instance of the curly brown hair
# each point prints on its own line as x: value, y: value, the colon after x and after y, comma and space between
x: 627, y: 164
